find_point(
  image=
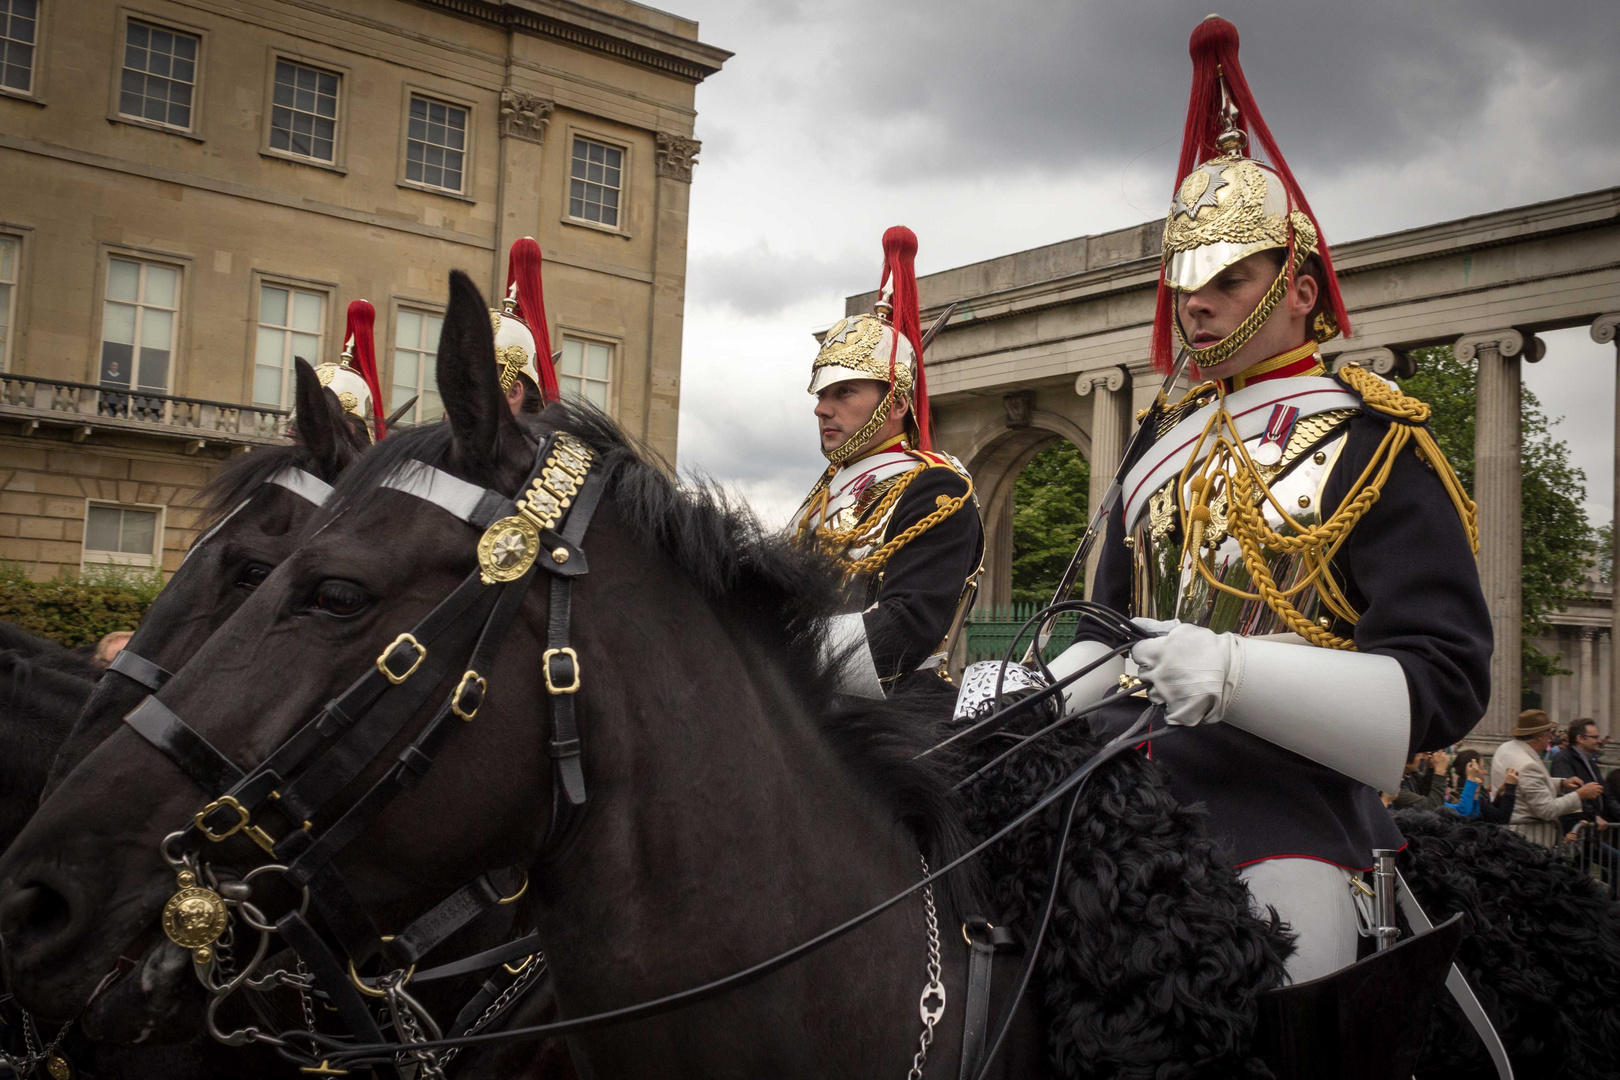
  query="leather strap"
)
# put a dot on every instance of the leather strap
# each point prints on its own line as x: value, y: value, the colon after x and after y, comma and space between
x: 527, y: 945
x: 195, y: 755
x: 331, y: 978
x: 306, y: 485
x: 450, y: 914
x: 139, y: 670
x: 477, y: 506
x: 984, y: 941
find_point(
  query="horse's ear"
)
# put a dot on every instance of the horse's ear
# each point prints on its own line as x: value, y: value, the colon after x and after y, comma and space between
x: 468, y: 382
x: 316, y: 428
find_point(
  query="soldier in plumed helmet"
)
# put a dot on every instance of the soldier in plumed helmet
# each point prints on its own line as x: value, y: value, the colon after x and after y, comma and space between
x: 1296, y: 542
x: 898, y: 515
x: 522, y: 339
x: 354, y: 377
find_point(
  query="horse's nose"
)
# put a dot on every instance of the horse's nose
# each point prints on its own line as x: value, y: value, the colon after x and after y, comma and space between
x: 34, y: 915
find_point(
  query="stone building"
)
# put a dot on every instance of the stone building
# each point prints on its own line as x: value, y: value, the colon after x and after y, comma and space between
x: 192, y: 191
x: 1052, y: 343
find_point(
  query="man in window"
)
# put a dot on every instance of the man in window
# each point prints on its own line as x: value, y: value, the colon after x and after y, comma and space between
x: 1297, y: 544
x: 522, y: 340
x: 900, y: 517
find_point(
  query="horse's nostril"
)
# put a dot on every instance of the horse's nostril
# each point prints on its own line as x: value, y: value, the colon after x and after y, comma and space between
x: 35, y: 910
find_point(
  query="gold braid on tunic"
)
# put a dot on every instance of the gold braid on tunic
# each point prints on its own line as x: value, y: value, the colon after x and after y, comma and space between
x: 869, y: 530
x: 1228, y: 467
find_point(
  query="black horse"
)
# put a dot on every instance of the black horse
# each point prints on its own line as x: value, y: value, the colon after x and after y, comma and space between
x: 737, y: 806
x: 46, y: 687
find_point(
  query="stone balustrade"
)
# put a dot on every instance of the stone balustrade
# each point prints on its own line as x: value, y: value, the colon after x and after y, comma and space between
x: 34, y: 401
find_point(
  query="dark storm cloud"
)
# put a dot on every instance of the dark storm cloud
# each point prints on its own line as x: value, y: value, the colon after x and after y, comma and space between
x: 1052, y: 85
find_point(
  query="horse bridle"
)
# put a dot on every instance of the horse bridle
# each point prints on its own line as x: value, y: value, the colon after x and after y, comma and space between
x: 541, y: 532
x: 301, y: 482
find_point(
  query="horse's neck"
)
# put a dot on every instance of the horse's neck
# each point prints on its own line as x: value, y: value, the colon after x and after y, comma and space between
x: 723, y: 828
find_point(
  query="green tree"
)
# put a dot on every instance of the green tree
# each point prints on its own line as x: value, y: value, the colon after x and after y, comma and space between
x: 1049, y: 516
x: 1559, y: 543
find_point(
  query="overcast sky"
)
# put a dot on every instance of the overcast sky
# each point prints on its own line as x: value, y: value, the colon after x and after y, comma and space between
x: 990, y: 128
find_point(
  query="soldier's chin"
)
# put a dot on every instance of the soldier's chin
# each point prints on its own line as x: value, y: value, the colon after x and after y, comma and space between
x: 159, y: 1001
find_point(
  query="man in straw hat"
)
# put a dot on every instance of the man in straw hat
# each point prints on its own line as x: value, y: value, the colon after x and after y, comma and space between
x: 1539, y: 804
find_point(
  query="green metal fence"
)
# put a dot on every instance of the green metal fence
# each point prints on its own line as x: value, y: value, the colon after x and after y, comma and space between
x: 990, y: 630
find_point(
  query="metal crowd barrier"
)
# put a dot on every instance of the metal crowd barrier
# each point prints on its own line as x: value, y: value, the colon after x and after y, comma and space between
x: 1595, y: 852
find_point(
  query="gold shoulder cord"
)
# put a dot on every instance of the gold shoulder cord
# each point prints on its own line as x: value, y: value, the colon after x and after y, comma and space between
x: 1229, y: 462
x: 834, y: 542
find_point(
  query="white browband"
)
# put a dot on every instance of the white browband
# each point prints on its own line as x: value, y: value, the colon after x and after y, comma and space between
x: 296, y: 480
x: 437, y: 487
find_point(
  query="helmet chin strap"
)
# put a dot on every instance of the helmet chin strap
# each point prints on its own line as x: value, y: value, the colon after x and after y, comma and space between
x: 852, y: 446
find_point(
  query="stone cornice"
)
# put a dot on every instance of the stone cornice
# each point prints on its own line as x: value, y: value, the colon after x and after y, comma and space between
x: 599, y: 31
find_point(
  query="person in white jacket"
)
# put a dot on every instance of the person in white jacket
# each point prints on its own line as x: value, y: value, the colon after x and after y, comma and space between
x: 1539, y: 805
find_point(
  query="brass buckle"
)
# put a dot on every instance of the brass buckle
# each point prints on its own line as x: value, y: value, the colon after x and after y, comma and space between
x: 243, y: 824
x: 455, y: 699
x: 527, y: 960
x: 403, y: 639
x: 545, y: 666
x: 325, y: 1068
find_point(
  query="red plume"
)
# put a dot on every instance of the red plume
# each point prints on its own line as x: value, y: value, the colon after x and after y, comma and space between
x: 360, y: 330
x: 899, y: 266
x: 523, y: 269
x: 1214, y: 49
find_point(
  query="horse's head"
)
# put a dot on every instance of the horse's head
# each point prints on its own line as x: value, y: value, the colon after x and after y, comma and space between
x: 253, y: 512
x: 85, y: 882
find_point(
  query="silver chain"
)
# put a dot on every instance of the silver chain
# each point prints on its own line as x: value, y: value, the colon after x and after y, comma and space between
x: 536, y: 964
x: 935, y: 989
x: 33, y: 1056
x: 304, y: 998
x: 403, y: 1007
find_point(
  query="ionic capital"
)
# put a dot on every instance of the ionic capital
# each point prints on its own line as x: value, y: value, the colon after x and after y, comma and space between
x: 1111, y: 378
x: 1506, y: 343
x: 1607, y: 329
x: 1379, y: 361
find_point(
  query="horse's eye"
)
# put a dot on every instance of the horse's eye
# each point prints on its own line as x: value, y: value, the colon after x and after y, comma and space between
x: 253, y: 575
x: 338, y: 599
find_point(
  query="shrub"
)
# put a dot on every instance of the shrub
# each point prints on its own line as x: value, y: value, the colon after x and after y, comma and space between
x: 77, y: 610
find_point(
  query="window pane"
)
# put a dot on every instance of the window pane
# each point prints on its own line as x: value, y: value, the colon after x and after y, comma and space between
x: 117, y: 360
x: 430, y: 408
x: 8, y: 260
x: 307, y: 346
x: 273, y: 306
x: 408, y: 328
x: 154, y: 371
x: 118, y: 324
x: 307, y: 311
x: 123, y: 278
x: 573, y: 357
x: 267, y: 385
x: 596, y: 394
x: 138, y: 34
x: 405, y: 363
x: 162, y: 282
x: 269, y: 346
x: 568, y: 385
x: 139, y: 526
x: 101, y: 528
x: 432, y: 326
x: 157, y: 329
x: 596, y: 360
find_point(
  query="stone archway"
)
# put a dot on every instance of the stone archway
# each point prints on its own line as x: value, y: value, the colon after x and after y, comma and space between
x: 997, y: 454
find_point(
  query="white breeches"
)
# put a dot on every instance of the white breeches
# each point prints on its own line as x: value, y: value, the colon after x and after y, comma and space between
x: 1314, y: 899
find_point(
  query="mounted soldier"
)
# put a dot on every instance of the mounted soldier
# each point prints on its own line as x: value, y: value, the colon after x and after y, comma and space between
x: 1297, y: 542
x: 354, y: 377
x: 898, y: 515
x: 522, y: 338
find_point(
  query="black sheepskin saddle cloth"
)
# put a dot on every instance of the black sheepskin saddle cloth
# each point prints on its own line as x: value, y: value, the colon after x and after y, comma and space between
x: 1154, y: 963
x: 1542, y: 952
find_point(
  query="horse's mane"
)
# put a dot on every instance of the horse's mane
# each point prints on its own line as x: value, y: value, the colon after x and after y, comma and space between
x: 758, y: 576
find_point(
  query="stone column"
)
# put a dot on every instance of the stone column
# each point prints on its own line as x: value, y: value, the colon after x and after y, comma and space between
x: 1601, y: 711
x: 523, y: 121
x: 1497, y: 481
x: 1588, y: 676
x: 676, y: 155
x: 1606, y: 330
x: 1553, y: 698
x: 1110, y: 430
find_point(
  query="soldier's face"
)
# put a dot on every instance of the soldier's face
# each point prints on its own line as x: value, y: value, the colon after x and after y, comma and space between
x: 842, y: 408
x: 1213, y: 312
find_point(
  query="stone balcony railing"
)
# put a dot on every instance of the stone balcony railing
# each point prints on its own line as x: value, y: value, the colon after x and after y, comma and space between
x: 87, y: 408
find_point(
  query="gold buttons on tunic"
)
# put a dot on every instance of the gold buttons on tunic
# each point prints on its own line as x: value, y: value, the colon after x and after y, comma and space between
x: 1319, y: 457
x: 1304, y: 500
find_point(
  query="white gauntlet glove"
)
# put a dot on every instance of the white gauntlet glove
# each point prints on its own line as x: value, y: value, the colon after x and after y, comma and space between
x: 1190, y: 670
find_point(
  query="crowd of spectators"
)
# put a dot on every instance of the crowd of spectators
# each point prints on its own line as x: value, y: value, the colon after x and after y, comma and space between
x: 1544, y: 783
